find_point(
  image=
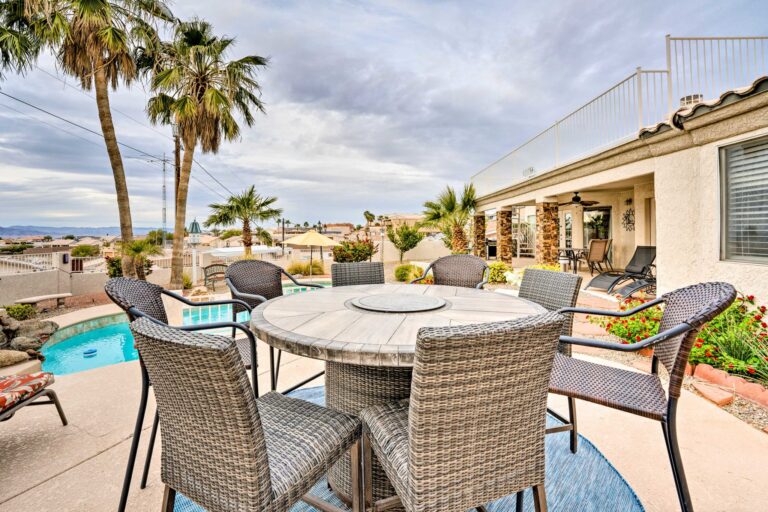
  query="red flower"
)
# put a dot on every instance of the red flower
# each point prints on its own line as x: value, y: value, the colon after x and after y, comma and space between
x: 764, y: 325
x: 642, y: 320
x: 758, y: 317
x: 762, y: 309
x: 708, y: 353
x: 638, y: 338
x: 750, y: 370
x: 730, y: 365
x: 699, y: 340
x: 698, y: 345
x: 750, y: 298
x: 608, y: 325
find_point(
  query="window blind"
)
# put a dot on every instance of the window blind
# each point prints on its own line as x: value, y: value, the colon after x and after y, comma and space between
x: 745, y: 201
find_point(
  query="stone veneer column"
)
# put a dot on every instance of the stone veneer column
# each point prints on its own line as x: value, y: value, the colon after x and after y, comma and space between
x: 478, y: 231
x: 504, y: 235
x: 547, y: 233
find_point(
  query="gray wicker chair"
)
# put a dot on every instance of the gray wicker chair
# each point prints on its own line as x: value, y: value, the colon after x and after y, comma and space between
x: 142, y: 299
x: 361, y: 272
x: 458, y: 270
x: 686, y: 311
x: 255, y: 282
x: 227, y: 450
x: 556, y: 290
x: 212, y: 273
x: 436, y: 453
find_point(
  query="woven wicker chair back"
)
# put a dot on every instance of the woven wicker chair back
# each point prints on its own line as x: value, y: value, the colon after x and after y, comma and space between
x: 256, y: 277
x: 214, y: 450
x: 695, y: 305
x: 361, y: 272
x: 463, y: 270
x: 478, y: 410
x: 553, y: 290
x: 134, y: 293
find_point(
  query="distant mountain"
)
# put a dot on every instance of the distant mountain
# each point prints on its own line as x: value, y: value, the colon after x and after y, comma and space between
x: 13, y: 231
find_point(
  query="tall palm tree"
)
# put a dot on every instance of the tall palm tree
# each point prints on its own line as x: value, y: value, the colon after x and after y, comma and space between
x: 451, y: 214
x: 19, y: 46
x: 246, y: 208
x: 139, y: 251
x: 94, y: 41
x: 199, y: 91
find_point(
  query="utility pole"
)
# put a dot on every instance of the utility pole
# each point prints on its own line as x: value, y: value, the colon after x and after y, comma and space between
x: 165, y: 204
x: 177, y: 161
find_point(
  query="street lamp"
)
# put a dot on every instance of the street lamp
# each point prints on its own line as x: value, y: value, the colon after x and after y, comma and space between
x: 194, y: 241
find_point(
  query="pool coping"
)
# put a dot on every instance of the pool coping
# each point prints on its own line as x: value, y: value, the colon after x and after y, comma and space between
x: 85, y: 326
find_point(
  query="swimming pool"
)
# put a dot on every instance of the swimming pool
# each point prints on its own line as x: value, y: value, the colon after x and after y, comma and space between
x: 93, y: 345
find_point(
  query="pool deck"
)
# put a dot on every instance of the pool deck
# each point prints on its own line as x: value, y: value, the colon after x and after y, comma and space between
x: 80, y: 467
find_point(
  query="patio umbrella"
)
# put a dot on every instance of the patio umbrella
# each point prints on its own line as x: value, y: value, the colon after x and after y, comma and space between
x: 311, y: 239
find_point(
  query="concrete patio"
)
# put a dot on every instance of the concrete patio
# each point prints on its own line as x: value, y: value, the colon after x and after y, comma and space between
x: 80, y: 467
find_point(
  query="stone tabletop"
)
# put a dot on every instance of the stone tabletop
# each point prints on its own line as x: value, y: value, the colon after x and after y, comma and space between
x: 326, y: 324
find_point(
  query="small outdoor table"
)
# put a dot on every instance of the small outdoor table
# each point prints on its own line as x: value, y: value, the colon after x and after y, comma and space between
x: 367, y: 336
x: 573, y: 255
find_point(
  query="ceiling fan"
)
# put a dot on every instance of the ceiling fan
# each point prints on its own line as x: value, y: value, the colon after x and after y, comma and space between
x: 576, y: 199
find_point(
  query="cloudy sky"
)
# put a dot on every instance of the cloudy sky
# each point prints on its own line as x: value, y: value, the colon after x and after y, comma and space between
x: 370, y: 105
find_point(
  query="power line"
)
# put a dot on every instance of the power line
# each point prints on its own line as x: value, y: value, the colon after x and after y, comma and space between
x: 89, y: 141
x: 213, y: 177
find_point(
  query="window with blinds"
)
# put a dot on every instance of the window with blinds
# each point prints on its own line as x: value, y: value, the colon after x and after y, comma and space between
x: 744, y: 170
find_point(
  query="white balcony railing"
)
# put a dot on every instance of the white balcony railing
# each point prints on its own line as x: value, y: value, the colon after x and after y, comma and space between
x: 26, y: 263
x: 697, y: 69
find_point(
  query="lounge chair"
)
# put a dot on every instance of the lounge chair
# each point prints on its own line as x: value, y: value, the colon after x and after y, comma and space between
x: 639, y: 267
x: 686, y: 311
x: 458, y: 270
x: 18, y: 391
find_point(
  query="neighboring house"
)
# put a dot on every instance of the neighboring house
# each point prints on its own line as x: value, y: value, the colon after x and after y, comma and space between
x: 695, y: 186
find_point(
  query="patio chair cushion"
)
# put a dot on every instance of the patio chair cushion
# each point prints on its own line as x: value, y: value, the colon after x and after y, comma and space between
x: 638, y: 393
x: 15, y: 388
x: 388, y: 427
x: 302, y: 439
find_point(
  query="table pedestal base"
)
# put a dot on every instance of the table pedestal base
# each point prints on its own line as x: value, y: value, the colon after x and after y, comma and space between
x: 350, y: 388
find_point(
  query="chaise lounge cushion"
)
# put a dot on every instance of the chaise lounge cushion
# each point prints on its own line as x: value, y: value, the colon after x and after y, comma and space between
x: 15, y: 388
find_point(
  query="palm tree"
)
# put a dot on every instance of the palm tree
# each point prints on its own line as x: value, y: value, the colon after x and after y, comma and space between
x: 369, y: 218
x: 94, y: 41
x: 19, y: 47
x: 139, y: 251
x: 199, y: 91
x: 451, y: 215
x: 263, y: 236
x: 245, y: 208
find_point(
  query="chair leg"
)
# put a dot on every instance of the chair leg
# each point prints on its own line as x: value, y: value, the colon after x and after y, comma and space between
x: 367, y: 473
x: 150, y: 449
x: 539, y: 498
x: 55, y: 399
x: 272, y: 379
x: 681, y: 484
x: 169, y: 499
x: 357, y: 477
x: 519, y: 501
x: 136, y: 438
x: 572, y: 419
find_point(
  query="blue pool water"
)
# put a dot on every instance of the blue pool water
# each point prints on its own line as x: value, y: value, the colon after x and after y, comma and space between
x: 114, y: 343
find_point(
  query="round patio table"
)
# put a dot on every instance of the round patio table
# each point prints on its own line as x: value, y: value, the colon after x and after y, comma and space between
x: 367, y: 336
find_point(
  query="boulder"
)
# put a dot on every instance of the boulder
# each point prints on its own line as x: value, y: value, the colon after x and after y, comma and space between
x: 41, y: 329
x: 24, y: 343
x: 3, y: 339
x: 7, y: 322
x: 11, y: 357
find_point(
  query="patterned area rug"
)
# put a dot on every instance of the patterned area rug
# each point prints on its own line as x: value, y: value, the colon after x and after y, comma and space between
x: 586, y: 481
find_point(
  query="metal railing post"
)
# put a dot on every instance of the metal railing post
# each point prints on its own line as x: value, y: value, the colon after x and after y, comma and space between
x: 669, y: 74
x: 639, y: 75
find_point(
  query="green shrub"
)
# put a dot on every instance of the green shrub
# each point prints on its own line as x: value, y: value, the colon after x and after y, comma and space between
x: 352, y: 251
x: 496, y: 272
x: 21, y: 311
x: 186, y: 282
x: 298, y: 267
x: 634, y: 328
x: 408, y: 272
x: 546, y: 266
x: 14, y: 249
x: 115, y: 267
x: 85, y: 251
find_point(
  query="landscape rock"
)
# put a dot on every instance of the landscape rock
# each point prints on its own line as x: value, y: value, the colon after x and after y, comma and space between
x: 24, y: 343
x: 714, y: 394
x: 41, y: 329
x: 7, y: 322
x: 11, y: 357
x: 3, y: 339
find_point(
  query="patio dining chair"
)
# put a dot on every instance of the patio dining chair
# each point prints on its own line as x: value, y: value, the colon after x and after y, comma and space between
x: 255, y: 282
x: 432, y: 447
x: 360, y: 272
x: 212, y: 273
x: 225, y: 449
x: 554, y: 291
x: 638, y: 268
x: 597, y: 255
x: 143, y: 299
x: 686, y: 311
x: 463, y: 270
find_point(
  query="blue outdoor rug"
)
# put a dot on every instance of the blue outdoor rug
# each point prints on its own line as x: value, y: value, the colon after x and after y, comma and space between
x: 584, y: 482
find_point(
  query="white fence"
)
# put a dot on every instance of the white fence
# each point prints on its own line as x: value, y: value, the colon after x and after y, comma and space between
x: 26, y: 263
x: 89, y: 264
x: 697, y: 68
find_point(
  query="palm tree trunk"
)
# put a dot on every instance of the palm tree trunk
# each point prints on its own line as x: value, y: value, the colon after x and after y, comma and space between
x: 459, y: 240
x: 139, y: 264
x: 247, y: 238
x: 177, y: 256
x: 116, y: 161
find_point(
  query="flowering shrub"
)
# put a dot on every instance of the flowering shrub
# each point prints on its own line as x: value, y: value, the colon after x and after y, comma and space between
x: 352, y: 251
x: 632, y: 329
x: 736, y: 341
x: 497, y: 272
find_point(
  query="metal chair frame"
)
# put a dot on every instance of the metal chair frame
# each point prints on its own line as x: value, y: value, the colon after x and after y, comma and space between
x: 53, y: 399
